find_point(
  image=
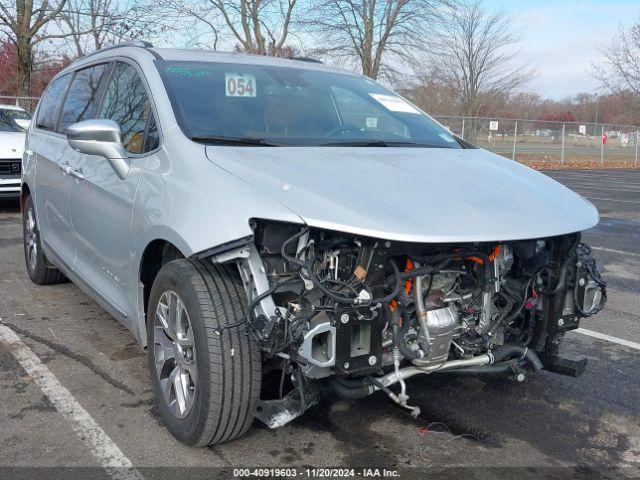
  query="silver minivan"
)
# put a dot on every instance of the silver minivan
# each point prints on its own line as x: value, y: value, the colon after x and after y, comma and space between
x: 273, y: 231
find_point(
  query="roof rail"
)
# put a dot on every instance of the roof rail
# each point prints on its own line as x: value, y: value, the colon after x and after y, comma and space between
x: 127, y: 43
x: 307, y: 59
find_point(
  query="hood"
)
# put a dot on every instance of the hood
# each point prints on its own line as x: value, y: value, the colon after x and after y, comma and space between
x: 12, y: 144
x: 411, y: 194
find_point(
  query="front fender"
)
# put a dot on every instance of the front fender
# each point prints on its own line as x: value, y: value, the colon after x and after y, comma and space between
x: 186, y: 200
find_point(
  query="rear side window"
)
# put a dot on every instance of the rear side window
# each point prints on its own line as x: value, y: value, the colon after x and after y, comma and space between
x: 126, y: 103
x: 51, y: 102
x: 83, y: 98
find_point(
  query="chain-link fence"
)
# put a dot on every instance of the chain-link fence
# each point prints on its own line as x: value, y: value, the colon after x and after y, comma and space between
x: 540, y: 141
x: 28, y: 103
x: 531, y: 141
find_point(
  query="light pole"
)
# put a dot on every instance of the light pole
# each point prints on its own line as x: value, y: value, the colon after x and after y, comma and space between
x: 595, y: 120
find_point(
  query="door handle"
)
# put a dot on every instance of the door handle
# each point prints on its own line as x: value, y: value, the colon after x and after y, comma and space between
x: 69, y: 170
x: 76, y: 172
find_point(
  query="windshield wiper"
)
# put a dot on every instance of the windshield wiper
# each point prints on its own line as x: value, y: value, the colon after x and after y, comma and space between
x: 356, y: 143
x: 215, y: 140
x: 380, y: 143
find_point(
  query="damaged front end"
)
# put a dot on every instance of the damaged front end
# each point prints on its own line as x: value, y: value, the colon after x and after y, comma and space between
x: 351, y: 315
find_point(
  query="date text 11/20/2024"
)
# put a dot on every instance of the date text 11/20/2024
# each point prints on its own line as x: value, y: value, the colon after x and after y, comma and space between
x: 315, y: 472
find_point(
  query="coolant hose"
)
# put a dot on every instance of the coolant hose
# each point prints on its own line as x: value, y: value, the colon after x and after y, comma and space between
x: 349, y: 389
x: 533, y: 359
x: 503, y: 351
x: 499, y: 368
x: 398, y: 336
x: 402, y: 346
x: 397, y: 289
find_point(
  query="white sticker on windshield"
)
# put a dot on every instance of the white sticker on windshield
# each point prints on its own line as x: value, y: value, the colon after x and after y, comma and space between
x: 240, y: 85
x: 372, y: 122
x: 393, y: 103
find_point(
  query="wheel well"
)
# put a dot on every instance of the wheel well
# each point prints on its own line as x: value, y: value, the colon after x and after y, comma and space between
x: 154, y: 257
x: 25, y: 191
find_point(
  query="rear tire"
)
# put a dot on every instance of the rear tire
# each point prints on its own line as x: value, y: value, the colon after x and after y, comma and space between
x: 205, y: 392
x: 40, y: 270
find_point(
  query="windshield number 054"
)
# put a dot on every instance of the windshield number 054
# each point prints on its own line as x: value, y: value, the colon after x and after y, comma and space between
x: 238, y: 85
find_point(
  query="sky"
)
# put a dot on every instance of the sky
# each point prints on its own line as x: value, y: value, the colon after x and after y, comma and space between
x: 561, y: 39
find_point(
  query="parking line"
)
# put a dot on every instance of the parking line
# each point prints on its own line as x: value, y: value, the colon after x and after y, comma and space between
x: 596, y: 172
x: 611, y: 199
x: 606, y: 181
x: 611, y: 250
x: 611, y: 185
x: 588, y: 187
x: 622, y: 178
x: 608, y: 338
x: 102, y: 447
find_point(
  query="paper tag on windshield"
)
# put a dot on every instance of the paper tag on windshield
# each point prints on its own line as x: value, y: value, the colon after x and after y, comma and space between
x: 372, y: 122
x: 393, y: 103
x: 240, y: 85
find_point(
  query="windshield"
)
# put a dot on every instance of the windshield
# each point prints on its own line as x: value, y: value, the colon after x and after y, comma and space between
x: 13, y: 120
x: 265, y: 105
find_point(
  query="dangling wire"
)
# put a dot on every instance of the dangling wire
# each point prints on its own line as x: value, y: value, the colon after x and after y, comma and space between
x: 583, y: 255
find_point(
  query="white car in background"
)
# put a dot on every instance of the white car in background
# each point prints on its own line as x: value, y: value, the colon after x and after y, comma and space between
x: 14, y: 122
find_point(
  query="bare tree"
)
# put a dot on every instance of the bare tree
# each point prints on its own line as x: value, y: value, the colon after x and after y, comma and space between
x: 25, y: 22
x: 367, y: 32
x: 260, y: 27
x: 476, y: 56
x: 92, y: 24
x: 621, y: 73
x: 87, y: 22
x: 202, y: 14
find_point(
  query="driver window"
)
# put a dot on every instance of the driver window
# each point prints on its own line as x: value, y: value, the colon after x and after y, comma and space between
x: 356, y: 112
x: 126, y: 103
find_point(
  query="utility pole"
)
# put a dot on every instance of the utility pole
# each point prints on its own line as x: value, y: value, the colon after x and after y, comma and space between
x: 515, y: 140
x: 595, y: 119
x: 562, y: 151
x: 602, y: 147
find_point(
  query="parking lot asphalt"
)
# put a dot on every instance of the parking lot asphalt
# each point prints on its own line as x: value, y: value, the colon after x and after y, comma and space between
x: 548, y: 425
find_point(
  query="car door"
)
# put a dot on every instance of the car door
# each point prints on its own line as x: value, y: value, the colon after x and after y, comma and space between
x: 51, y: 184
x: 101, y: 202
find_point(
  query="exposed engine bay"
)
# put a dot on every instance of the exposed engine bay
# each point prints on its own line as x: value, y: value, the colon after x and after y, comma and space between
x: 352, y: 315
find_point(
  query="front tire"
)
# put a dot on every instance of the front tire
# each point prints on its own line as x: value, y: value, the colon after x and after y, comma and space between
x: 205, y: 376
x: 39, y: 268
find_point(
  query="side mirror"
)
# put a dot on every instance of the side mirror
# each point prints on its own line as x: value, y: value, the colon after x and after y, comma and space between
x: 23, y: 123
x: 103, y: 138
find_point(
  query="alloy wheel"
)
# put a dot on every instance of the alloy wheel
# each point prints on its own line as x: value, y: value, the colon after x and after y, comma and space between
x: 175, y: 354
x: 31, y: 240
